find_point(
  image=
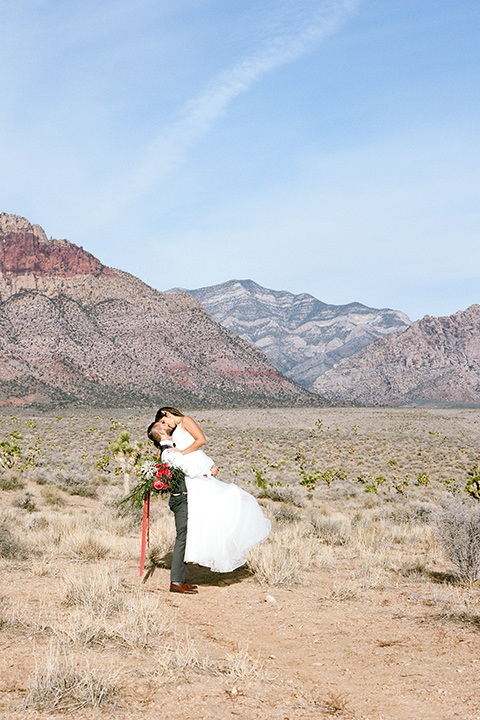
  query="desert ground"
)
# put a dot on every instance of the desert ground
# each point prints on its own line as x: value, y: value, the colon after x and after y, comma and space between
x: 363, y: 604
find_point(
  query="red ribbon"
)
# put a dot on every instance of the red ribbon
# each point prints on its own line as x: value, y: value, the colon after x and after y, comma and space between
x: 145, y: 531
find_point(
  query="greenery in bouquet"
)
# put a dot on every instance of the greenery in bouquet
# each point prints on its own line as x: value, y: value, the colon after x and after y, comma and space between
x: 156, y: 477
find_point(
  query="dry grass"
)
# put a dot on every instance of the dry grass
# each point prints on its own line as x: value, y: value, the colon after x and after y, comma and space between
x: 10, y: 547
x: 180, y: 657
x: 100, y: 591
x: 369, y: 526
x: 458, y: 527
x: 285, y: 558
x: 60, y: 685
x: 52, y: 496
x: 241, y: 665
x: 138, y: 622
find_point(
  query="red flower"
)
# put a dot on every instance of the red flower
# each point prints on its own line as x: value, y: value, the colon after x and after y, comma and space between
x: 158, y: 485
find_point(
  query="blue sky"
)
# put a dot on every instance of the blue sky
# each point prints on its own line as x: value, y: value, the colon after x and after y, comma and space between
x: 321, y: 146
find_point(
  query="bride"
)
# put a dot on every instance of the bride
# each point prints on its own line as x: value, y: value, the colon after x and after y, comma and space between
x: 224, y: 521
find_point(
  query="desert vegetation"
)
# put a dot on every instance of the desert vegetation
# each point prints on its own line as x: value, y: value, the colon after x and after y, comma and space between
x: 363, y: 602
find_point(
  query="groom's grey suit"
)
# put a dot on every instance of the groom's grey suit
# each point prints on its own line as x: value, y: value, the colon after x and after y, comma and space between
x: 179, y: 507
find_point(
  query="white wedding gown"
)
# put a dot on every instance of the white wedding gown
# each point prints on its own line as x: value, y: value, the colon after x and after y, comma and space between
x: 224, y: 521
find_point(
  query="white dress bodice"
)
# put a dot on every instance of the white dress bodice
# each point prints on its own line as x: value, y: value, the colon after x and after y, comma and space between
x: 182, y: 437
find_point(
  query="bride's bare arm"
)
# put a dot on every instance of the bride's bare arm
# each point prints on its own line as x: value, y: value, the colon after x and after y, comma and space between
x: 199, y: 438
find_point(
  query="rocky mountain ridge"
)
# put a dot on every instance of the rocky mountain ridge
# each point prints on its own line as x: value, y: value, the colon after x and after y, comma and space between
x: 302, y: 336
x: 25, y: 250
x: 435, y: 361
x: 75, y: 332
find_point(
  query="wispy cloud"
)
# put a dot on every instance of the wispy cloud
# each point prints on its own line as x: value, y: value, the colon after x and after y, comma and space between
x: 172, y: 143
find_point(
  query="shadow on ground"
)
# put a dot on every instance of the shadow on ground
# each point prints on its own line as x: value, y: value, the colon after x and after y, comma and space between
x: 196, y: 573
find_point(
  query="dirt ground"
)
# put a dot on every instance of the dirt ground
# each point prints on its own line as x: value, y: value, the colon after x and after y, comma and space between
x: 394, y: 639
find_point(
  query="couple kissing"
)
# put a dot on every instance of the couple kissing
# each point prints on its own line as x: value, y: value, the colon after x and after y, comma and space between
x: 216, y: 522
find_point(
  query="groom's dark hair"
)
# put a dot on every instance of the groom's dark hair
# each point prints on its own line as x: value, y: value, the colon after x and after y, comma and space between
x: 150, y: 434
x: 163, y: 410
x: 152, y: 437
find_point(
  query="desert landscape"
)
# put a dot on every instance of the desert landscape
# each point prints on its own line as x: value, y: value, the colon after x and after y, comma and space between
x: 362, y: 604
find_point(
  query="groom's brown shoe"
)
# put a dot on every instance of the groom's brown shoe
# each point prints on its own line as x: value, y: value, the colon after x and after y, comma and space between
x: 183, y: 588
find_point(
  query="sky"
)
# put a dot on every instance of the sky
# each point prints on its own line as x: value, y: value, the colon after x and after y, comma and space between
x: 330, y: 147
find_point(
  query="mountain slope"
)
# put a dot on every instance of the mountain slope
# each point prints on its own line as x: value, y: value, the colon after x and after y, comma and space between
x: 302, y: 336
x: 73, y: 331
x: 437, y: 360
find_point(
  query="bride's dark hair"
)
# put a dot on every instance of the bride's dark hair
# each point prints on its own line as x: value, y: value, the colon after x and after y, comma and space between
x: 163, y: 411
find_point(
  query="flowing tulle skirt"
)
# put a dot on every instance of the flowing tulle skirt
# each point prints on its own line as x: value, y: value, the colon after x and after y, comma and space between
x: 224, y: 521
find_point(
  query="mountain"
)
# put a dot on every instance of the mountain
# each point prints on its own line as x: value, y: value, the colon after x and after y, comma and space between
x: 76, y: 332
x: 302, y: 336
x: 435, y: 361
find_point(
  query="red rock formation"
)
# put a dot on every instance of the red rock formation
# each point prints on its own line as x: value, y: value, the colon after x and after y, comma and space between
x: 25, y: 250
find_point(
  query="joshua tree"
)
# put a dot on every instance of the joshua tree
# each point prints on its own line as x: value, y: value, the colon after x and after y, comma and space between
x: 10, y: 450
x: 127, y: 456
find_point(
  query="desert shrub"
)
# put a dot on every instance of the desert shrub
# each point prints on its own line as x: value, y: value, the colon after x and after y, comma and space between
x: 284, y: 514
x: 4, y: 606
x: 10, y: 548
x: 90, y: 548
x: 240, y: 665
x: 74, y: 480
x: 458, y: 528
x: 141, y: 621
x: 331, y: 530
x: 413, y: 511
x: 284, y: 493
x: 138, y: 623
x: 99, y: 592
x: 25, y: 502
x: 286, y: 556
x: 10, y: 480
x: 80, y: 536
x: 40, y: 475
x: 37, y: 522
x: 274, y: 564
x: 183, y: 655
x: 369, y: 537
x: 52, y: 496
x: 60, y: 685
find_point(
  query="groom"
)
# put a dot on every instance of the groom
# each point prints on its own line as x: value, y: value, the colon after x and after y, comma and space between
x: 179, y: 506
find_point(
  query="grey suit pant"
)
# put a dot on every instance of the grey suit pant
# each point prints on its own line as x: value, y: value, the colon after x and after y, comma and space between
x: 179, y: 507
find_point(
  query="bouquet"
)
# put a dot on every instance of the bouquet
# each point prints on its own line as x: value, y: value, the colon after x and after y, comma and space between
x: 156, y: 478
